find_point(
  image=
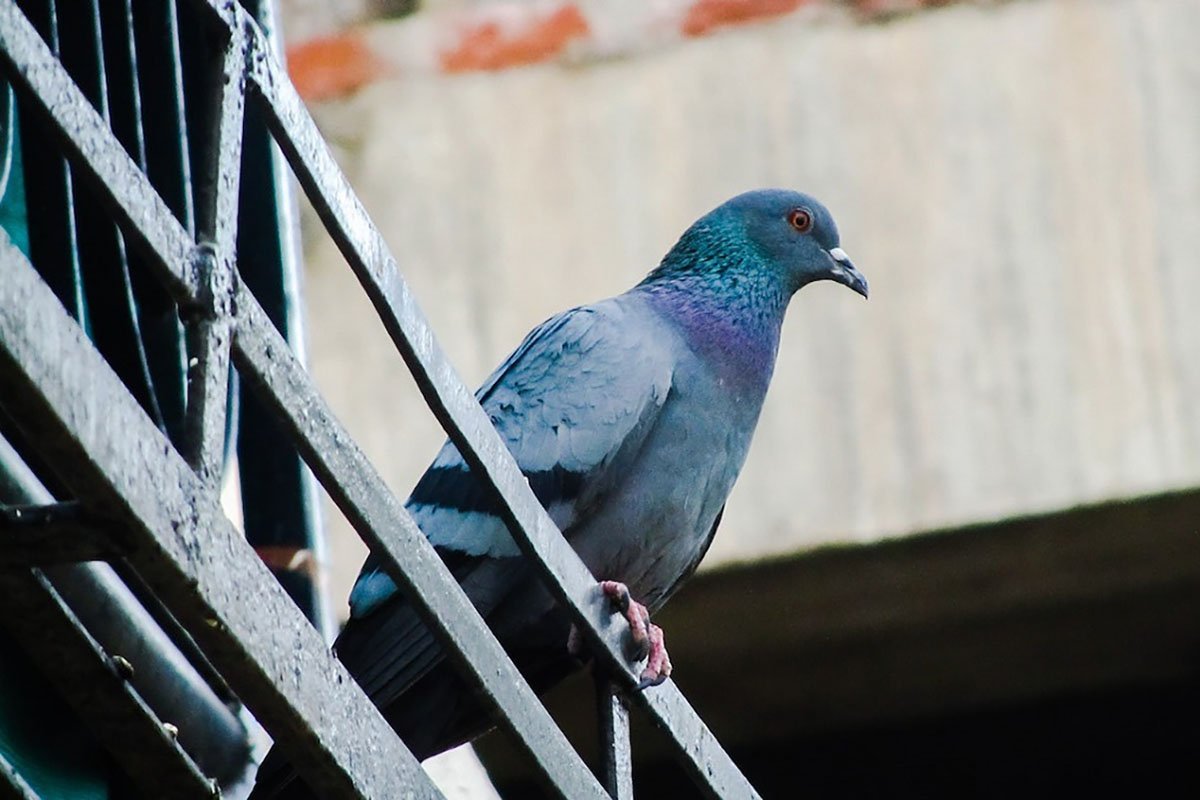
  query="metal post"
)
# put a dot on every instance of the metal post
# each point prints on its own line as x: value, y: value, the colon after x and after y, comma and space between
x: 616, y: 760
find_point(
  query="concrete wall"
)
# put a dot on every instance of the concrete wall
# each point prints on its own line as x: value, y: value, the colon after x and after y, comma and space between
x: 1020, y: 182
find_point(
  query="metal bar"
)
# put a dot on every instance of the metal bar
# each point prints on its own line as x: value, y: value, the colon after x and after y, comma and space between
x: 15, y: 476
x: 109, y: 294
x: 48, y: 187
x: 108, y: 289
x: 60, y: 533
x: 208, y: 333
x: 616, y: 761
x: 57, y: 387
x: 33, y: 69
x: 217, y: 209
x: 279, y: 494
x: 264, y: 359
x: 709, y: 766
x: 12, y: 785
x: 51, y: 629
x: 160, y: 75
x: 122, y: 80
x: 158, y: 340
x: 115, y: 177
x: 154, y: 48
x: 214, y: 736
x: 468, y: 426
x: 96, y: 686
x: 99, y: 156
x: 208, y: 336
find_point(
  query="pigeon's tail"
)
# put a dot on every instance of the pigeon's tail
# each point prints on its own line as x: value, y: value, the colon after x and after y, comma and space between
x: 422, y: 696
x: 437, y: 713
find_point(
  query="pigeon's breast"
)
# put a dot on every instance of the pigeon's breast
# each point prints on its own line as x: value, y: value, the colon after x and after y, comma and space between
x: 655, y: 524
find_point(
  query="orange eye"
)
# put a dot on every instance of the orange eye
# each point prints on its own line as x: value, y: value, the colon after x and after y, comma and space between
x: 801, y: 219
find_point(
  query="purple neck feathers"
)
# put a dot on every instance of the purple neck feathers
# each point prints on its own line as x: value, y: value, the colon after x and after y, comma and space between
x: 736, y: 333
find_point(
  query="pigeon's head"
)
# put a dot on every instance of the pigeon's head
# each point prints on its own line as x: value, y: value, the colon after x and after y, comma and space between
x: 795, y: 234
x: 789, y: 234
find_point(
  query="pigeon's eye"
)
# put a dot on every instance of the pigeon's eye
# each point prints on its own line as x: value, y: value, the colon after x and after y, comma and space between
x: 801, y: 219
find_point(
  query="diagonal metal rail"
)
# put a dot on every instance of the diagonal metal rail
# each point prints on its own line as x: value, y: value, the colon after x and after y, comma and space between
x: 191, y: 555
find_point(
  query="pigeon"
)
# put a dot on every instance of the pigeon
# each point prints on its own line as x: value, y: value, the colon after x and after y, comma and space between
x: 631, y: 419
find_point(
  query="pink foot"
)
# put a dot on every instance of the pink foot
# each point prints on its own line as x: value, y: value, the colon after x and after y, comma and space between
x: 658, y: 664
x: 647, y: 639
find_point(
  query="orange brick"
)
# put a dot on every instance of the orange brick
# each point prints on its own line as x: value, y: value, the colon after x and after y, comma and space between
x: 705, y: 15
x: 487, y: 46
x: 332, y: 66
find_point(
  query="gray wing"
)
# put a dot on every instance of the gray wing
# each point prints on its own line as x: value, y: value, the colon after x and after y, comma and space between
x: 573, y: 403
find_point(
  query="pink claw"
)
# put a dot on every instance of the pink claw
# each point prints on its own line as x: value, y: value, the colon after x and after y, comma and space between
x: 647, y: 638
x: 658, y: 664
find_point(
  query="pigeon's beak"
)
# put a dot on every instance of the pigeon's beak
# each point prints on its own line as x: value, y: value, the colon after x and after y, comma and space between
x: 845, y: 273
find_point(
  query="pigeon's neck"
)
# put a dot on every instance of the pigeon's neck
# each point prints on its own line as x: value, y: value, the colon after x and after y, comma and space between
x: 731, y: 320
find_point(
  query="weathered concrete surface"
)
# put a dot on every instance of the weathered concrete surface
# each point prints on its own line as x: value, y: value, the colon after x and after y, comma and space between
x: 1020, y: 182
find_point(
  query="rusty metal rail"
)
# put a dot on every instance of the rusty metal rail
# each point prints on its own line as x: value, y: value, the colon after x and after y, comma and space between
x: 184, y: 547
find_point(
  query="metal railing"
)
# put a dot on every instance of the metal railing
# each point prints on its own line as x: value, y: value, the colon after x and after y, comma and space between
x: 120, y: 467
